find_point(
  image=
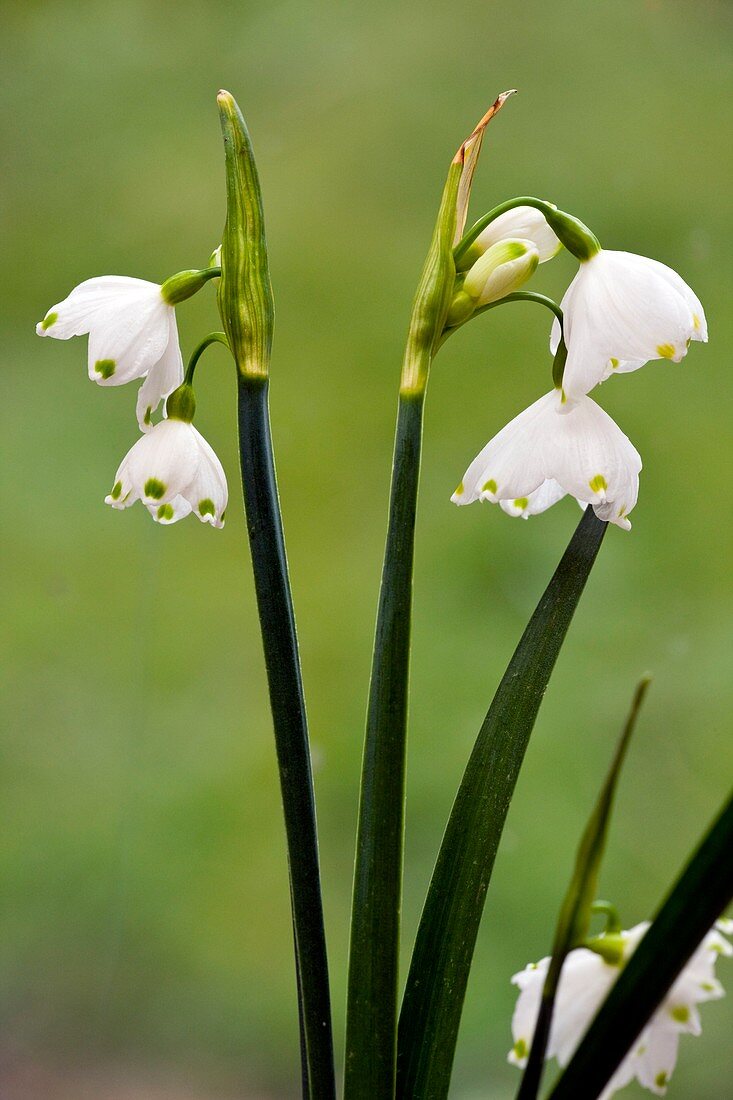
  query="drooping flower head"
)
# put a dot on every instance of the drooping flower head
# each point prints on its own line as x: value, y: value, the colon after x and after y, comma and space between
x: 540, y: 456
x: 586, y: 979
x: 173, y: 471
x: 132, y: 334
x: 620, y: 311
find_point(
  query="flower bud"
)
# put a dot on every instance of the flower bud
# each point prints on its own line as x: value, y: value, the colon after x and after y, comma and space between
x: 501, y: 270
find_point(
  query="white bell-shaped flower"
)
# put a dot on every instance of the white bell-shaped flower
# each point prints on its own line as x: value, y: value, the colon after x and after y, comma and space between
x: 585, y: 982
x: 132, y: 334
x: 620, y: 311
x: 524, y: 223
x: 542, y: 455
x: 173, y: 471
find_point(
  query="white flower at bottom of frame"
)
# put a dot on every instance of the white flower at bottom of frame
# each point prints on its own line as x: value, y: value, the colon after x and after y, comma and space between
x: 585, y: 982
x: 132, y: 334
x: 620, y: 311
x: 174, y: 471
x: 541, y: 455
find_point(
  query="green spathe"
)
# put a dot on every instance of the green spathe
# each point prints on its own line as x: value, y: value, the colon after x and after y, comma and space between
x: 245, y: 294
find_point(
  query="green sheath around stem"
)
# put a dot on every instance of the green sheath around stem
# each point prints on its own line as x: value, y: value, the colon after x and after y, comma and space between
x: 441, y: 961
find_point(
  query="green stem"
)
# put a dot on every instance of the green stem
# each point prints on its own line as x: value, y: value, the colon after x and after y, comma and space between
x: 701, y: 894
x: 264, y: 525
x: 198, y: 351
x: 436, y: 983
x: 373, y: 975
x: 576, y: 236
x: 517, y: 296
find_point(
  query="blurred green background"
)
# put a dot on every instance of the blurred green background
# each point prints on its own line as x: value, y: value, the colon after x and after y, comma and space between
x: 145, y: 947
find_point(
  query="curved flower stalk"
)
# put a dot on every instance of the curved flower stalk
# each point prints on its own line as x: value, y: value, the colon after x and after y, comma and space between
x: 588, y: 974
x: 174, y: 472
x: 132, y: 331
x: 540, y: 456
x: 622, y: 310
x: 501, y: 259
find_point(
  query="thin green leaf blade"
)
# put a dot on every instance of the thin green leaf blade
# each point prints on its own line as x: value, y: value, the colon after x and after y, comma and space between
x: 446, y: 937
x: 575, y: 911
x: 701, y: 894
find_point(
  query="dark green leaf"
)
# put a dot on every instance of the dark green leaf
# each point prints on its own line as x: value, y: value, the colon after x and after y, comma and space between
x: 447, y: 933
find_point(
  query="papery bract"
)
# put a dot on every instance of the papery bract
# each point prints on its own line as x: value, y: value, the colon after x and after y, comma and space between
x: 542, y: 455
x: 132, y: 334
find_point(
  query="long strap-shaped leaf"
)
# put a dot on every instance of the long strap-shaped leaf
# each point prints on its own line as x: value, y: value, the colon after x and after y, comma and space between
x: 446, y: 937
x: 700, y: 895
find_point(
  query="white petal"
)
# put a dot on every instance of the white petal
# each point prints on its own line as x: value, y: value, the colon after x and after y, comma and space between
x: 509, y: 466
x: 76, y: 314
x: 163, y: 377
x: 207, y: 493
x: 540, y: 500
x: 524, y: 222
x: 625, y: 307
x: 654, y: 1057
x: 127, y: 339
x: 171, y: 511
x: 583, y: 451
x: 164, y: 461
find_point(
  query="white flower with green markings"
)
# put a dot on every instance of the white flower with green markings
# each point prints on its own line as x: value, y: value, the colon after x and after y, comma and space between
x: 540, y: 456
x: 132, y: 334
x: 586, y: 979
x: 173, y: 471
x: 620, y: 311
x: 523, y: 223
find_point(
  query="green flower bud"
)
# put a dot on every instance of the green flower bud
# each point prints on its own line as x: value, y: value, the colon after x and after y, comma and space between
x: 244, y: 294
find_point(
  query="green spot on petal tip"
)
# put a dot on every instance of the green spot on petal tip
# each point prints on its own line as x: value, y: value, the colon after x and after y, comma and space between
x: 489, y: 486
x: 48, y: 320
x: 105, y: 368
x: 116, y: 490
x: 154, y: 488
x: 206, y: 507
x: 165, y: 511
x: 598, y: 484
x: 665, y: 351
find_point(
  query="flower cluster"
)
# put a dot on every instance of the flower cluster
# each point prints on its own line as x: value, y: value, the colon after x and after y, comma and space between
x: 619, y: 312
x: 133, y: 334
x: 587, y: 977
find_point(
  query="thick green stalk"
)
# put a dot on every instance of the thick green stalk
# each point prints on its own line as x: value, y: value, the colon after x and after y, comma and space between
x: 701, y: 894
x: 436, y: 984
x: 246, y: 307
x: 371, y: 1018
x: 272, y: 586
